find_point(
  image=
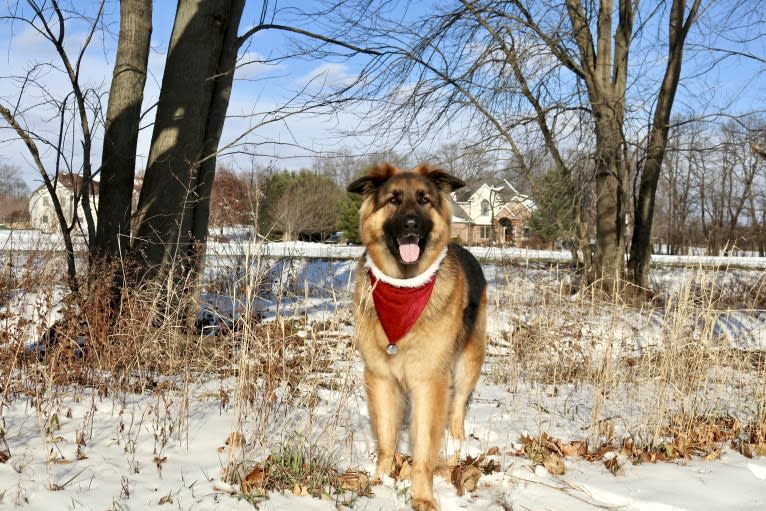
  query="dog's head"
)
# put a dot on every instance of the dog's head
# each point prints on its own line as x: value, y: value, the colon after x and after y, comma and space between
x: 405, y: 216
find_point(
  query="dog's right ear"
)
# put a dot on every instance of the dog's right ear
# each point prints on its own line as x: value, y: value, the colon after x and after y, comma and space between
x: 365, y: 185
x: 373, y: 180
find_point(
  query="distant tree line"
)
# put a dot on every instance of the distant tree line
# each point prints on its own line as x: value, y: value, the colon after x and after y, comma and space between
x: 573, y: 101
x: 711, y: 197
x: 14, y: 195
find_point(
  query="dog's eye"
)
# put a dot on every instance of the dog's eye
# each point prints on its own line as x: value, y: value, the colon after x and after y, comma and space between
x: 395, y: 200
x: 423, y: 199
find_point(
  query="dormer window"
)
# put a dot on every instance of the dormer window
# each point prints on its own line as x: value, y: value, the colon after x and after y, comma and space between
x: 484, y: 207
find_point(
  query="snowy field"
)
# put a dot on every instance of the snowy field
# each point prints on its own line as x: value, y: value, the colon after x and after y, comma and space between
x: 562, y: 370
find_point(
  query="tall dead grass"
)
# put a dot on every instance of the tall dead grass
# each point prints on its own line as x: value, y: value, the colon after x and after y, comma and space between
x: 649, y: 370
x: 646, y: 373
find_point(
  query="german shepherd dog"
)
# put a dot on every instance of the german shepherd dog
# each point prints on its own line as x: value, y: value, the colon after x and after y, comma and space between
x: 420, y: 311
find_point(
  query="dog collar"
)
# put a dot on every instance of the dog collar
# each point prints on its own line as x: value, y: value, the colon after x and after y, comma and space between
x: 400, y: 302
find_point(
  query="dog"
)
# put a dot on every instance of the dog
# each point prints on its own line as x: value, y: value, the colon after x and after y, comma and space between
x: 420, y: 311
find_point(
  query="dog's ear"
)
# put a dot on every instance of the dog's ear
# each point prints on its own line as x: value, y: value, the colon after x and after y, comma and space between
x: 445, y: 182
x: 365, y: 185
x: 373, y: 180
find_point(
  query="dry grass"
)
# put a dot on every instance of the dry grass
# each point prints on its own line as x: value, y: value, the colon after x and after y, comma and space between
x: 657, y: 378
x: 655, y: 371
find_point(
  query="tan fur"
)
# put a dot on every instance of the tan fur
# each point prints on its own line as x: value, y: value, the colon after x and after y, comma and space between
x: 436, y: 366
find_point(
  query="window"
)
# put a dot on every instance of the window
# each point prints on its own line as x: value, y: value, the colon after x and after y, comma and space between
x: 485, y: 232
x: 46, y: 202
x: 484, y: 207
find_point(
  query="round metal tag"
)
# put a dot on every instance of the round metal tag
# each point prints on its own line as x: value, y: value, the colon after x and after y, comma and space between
x: 391, y: 349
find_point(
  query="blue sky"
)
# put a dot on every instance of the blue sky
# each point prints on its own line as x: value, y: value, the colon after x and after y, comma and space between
x: 736, y: 84
x: 259, y: 89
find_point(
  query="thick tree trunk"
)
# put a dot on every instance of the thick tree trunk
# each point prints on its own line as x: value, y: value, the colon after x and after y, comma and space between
x: 123, y: 114
x: 172, y: 213
x: 604, y: 68
x: 611, y: 182
x: 641, y: 246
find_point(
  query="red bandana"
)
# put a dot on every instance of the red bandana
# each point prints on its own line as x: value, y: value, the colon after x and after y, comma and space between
x: 399, y: 308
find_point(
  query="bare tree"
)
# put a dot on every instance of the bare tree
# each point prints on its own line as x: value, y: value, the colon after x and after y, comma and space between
x: 230, y: 199
x: 14, y: 194
x: 464, y: 160
x: 680, y: 22
x: 171, y: 220
x: 548, y: 74
x: 123, y: 114
x: 342, y: 166
x: 79, y: 105
x: 11, y: 182
x: 676, y: 206
x: 299, y: 204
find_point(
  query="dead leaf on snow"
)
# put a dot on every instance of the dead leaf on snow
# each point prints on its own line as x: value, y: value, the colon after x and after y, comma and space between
x: 353, y: 480
x: 554, y: 464
x: 465, y: 478
x: 575, y: 449
x: 613, y: 465
x: 254, y: 480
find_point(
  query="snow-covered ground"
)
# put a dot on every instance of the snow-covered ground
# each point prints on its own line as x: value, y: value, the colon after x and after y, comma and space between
x: 167, y: 448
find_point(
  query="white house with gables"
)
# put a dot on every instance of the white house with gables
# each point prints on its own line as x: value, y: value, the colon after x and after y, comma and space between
x: 41, y: 211
x: 492, y: 212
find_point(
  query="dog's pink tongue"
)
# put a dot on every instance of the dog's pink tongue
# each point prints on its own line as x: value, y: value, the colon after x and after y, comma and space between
x: 409, y: 252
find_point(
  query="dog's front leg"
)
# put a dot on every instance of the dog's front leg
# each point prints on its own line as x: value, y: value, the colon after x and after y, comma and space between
x: 386, y: 402
x: 429, y: 415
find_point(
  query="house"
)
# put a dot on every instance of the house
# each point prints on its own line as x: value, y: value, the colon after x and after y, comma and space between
x: 41, y: 211
x: 492, y: 212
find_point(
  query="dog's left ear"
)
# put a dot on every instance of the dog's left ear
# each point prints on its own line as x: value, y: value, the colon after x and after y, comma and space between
x: 445, y: 182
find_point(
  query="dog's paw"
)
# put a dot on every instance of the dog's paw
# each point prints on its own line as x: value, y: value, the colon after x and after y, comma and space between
x: 425, y: 505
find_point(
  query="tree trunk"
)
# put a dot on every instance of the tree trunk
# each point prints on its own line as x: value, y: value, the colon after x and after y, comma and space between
x: 123, y: 114
x: 604, y: 69
x: 641, y: 246
x: 172, y: 213
x: 611, y: 182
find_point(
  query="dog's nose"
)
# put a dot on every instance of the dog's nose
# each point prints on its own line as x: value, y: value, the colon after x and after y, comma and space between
x: 411, y: 224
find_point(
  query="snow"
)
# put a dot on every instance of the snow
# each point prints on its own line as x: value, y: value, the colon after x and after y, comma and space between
x: 166, y: 447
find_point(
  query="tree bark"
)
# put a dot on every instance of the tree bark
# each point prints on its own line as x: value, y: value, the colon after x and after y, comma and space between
x: 641, y: 246
x: 118, y: 160
x: 172, y: 213
x: 604, y: 71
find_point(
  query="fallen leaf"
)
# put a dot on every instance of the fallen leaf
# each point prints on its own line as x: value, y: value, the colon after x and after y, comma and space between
x: 254, y: 480
x: 465, y: 478
x: 612, y: 465
x: 554, y: 464
x: 353, y: 480
x: 575, y: 449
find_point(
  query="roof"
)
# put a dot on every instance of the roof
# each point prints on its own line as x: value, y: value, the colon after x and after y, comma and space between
x: 501, y: 186
x: 458, y: 213
x: 72, y: 183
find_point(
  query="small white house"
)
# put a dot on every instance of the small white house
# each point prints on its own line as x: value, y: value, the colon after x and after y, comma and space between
x: 492, y: 212
x: 41, y: 211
